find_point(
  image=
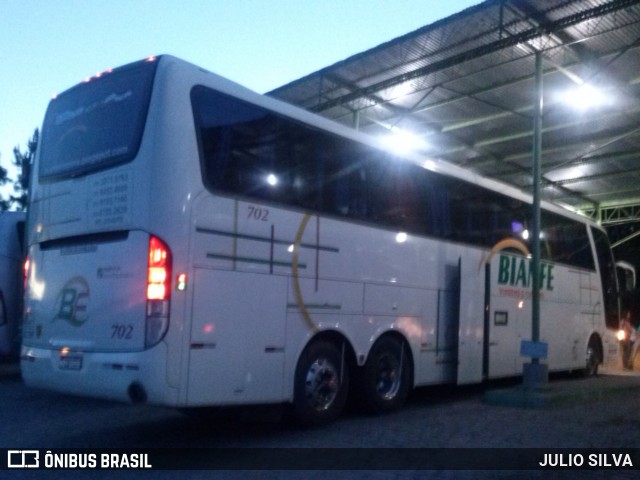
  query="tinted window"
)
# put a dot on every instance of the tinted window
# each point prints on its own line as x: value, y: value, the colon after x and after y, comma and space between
x: 255, y: 153
x: 96, y: 124
x: 565, y: 241
x: 607, y: 276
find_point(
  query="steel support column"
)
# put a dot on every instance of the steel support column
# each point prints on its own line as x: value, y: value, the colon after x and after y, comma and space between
x: 536, y: 374
x: 535, y: 214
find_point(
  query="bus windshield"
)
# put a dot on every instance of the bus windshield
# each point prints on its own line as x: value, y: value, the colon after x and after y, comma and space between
x: 96, y: 124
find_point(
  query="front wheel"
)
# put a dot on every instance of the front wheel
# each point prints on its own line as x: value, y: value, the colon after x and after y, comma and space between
x: 386, y: 377
x: 593, y: 359
x: 320, y: 385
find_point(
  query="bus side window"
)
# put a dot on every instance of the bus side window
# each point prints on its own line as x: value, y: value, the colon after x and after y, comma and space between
x: 347, y: 194
x: 565, y: 241
x: 345, y: 180
x: 396, y: 200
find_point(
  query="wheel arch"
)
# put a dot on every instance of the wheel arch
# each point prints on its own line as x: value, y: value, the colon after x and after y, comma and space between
x: 340, y: 340
x: 594, y: 348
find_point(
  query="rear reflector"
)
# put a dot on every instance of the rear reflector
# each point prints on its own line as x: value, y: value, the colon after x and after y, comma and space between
x: 181, y: 283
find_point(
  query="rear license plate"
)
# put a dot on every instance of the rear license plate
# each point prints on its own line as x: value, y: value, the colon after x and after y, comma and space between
x: 70, y: 362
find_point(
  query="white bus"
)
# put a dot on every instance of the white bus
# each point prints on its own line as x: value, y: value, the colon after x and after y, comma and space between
x: 193, y: 243
x: 12, y: 225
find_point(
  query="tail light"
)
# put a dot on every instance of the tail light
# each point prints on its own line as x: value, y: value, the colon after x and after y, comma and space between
x: 159, y: 273
x: 158, y: 291
x: 25, y: 273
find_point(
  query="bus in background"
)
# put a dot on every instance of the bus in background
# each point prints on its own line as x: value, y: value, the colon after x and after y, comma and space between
x: 193, y: 243
x: 12, y: 225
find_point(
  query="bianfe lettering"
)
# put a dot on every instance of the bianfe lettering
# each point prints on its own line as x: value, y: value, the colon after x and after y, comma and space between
x: 517, y: 272
x: 592, y: 460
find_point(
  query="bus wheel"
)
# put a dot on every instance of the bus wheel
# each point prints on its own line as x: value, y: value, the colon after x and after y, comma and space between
x: 592, y: 360
x: 321, y: 385
x: 386, y: 377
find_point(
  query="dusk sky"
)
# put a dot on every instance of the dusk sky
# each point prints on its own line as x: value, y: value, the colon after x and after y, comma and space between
x: 47, y: 46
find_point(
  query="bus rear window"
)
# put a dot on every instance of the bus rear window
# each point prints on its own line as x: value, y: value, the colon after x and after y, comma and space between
x: 96, y: 124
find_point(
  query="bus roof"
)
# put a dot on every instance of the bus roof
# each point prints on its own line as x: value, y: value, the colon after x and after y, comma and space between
x: 434, y: 163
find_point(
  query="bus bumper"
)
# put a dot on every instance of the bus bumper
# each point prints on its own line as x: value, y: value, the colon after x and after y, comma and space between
x: 136, y: 377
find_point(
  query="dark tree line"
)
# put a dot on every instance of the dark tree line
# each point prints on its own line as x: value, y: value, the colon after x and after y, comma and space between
x: 23, y: 161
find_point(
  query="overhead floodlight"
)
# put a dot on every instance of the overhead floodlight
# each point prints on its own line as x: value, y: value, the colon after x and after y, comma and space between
x: 272, y: 180
x: 585, y: 96
x: 401, y: 141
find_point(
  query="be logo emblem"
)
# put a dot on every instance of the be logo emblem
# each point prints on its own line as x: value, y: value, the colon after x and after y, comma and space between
x: 72, y: 301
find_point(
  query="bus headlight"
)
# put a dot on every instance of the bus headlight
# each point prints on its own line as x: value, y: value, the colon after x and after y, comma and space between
x: 621, y: 336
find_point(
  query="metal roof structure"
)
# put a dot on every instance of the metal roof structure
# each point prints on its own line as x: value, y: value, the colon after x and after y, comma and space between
x: 466, y: 86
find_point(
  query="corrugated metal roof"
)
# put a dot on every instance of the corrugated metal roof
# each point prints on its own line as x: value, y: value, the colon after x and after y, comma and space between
x: 465, y: 84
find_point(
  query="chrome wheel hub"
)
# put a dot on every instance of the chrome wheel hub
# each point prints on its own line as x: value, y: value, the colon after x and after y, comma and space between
x: 321, y: 384
x: 389, y: 377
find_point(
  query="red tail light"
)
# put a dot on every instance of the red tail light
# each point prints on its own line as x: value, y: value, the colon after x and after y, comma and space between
x: 159, y: 272
x: 25, y: 272
x: 158, y: 291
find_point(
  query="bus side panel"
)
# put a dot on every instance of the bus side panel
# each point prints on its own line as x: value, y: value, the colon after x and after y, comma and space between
x: 318, y: 273
x: 240, y: 269
x: 237, y: 338
x: 471, y: 329
x: 568, y: 314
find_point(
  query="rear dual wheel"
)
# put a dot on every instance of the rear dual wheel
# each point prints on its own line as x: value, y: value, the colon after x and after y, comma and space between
x: 386, y: 377
x: 321, y: 384
x: 322, y: 381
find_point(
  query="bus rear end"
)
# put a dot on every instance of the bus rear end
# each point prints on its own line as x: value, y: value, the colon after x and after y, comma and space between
x: 98, y: 286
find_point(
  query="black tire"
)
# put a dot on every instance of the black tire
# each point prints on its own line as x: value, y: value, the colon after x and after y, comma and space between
x: 321, y: 385
x: 386, y: 377
x: 593, y: 359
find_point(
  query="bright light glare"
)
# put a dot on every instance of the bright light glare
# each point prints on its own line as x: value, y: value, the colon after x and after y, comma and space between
x: 401, y: 237
x: 621, y: 335
x: 585, y: 96
x: 272, y: 180
x: 526, y: 235
x: 156, y: 291
x: 157, y: 275
x: 401, y: 141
